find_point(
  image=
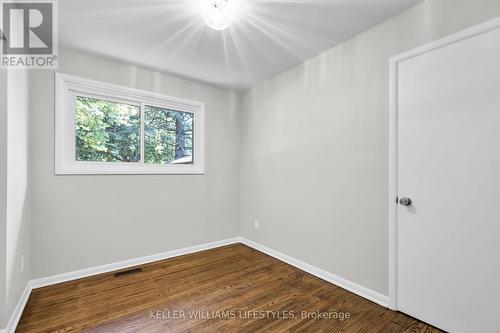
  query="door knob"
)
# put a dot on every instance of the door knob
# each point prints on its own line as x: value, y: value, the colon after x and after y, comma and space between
x: 405, y: 201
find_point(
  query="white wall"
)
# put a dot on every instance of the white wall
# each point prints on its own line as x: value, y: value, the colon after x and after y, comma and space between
x: 84, y: 221
x: 314, y: 146
x: 18, y: 197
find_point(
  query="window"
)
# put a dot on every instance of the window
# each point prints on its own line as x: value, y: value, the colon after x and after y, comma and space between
x: 168, y: 136
x: 108, y: 129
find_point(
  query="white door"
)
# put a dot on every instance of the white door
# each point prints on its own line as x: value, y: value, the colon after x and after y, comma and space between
x: 448, y: 164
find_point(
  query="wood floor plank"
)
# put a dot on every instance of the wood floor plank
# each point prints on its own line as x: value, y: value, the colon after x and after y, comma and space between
x: 229, y: 289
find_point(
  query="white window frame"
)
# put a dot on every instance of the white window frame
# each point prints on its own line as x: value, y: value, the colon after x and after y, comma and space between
x: 68, y: 87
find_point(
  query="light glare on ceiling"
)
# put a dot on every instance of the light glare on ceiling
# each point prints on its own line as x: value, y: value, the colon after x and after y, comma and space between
x: 217, y: 14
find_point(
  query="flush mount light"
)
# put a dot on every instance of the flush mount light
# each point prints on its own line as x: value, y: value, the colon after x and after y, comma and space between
x: 217, y: 14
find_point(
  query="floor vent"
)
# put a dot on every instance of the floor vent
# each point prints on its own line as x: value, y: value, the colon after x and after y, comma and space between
x: 128, y: 272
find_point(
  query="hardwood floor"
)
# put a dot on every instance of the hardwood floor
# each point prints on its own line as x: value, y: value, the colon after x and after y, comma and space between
x: 228, y: 289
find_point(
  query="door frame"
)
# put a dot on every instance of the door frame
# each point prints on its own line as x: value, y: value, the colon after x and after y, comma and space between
x: 393, y: 138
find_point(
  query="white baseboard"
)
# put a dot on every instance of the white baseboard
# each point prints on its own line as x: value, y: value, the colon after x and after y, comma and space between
x: 353, y: 287
x: 86, y: 272
x: 18, y: 310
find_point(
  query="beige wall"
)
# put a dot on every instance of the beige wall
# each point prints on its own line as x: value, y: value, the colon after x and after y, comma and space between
x: 84, y: 221
x: 314, y: 146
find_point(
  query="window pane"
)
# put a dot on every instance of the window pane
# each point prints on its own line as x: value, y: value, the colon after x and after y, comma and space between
x: 168, y: 136
x: 107, y: 131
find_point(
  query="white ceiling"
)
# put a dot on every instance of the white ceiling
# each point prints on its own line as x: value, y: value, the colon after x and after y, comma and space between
x: 266, y: 37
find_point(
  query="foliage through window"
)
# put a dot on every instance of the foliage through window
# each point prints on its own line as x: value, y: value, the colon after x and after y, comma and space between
x: 111, y: 132
x: 168, y: 136
x: 107, y: 131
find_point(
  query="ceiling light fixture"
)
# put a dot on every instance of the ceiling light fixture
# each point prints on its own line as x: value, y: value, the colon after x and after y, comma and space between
x: 217, y: 14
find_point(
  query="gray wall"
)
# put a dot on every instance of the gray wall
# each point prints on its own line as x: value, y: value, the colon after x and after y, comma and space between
x: 18, y: 188
x: 311, y: 163
x: 3, y: 195
x: 84, y: 221
x: 14, y: 190
x: 314, y: 146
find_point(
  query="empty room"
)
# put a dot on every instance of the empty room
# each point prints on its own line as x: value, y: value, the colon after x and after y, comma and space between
x: 249, y: 166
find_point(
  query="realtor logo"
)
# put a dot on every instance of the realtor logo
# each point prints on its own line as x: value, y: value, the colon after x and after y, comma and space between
x: 29, y: 34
